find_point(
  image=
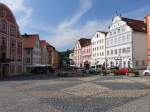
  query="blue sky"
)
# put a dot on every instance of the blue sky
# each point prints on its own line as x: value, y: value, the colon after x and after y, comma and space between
x: 63, y: 22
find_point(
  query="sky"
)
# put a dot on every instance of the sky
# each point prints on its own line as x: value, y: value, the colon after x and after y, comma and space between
x: 63, y: 22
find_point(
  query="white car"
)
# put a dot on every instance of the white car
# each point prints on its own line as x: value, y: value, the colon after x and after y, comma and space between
x: 147, y: 71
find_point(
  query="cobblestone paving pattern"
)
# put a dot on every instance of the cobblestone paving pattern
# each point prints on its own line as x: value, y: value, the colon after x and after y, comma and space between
x: 84, y: 94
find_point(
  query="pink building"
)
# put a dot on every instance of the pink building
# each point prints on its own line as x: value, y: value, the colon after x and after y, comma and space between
x: 82, y: 52
x: 86, y: 53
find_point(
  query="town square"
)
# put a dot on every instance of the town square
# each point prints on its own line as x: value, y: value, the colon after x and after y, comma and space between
x: 74, y: 56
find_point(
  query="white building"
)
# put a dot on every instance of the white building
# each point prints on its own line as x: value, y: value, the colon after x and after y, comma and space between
x: 126, y: 43
x: 71, y: 55
x: 98, y: 49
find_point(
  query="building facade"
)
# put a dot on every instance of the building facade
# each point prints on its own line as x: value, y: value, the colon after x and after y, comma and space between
x: 86, y: 53
x: 32, y: 51
x: 122, y: 43
x: 71, y: 57
x: 98, y: 49
x: 44, y: 52
x: 147, y: 18
x: 54, y: 57
x: 82, y: 46
x: 10, y: 44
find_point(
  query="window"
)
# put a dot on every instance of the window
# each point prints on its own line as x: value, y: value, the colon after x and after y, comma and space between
x: 119, y: 51
x: 3, y: 26
x: 143, y: 62
x: 107, y: 52
x: 2, y: 13
x: 97, y: 35
x: 12, y: 30
x: 116, y: 51
x: 112, y: 42
x: 118, y: 31
x: 119, y: 39
x: 128, y: 49
x: 110, y: 33
x: 107, y: 42
x: 123, y: 50
x: 124, y: 64
x: 137, y: 63
x: 128, y: 37
x: 27, y: 60
x: 115, y: 40
x: 111, y: 51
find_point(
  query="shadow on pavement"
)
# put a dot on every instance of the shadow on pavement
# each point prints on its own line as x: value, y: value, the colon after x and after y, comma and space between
x: 29, y: 77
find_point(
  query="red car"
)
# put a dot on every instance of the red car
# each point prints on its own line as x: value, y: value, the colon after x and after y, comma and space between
x: 123, y: 71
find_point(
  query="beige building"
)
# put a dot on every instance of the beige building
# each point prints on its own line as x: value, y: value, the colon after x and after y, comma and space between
x: 10, y: 44
x: 44, y: 52
x: 54, y: 58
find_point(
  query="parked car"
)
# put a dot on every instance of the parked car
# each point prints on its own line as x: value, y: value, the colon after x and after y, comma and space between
x: 146, y: 72
x: 122, y: 71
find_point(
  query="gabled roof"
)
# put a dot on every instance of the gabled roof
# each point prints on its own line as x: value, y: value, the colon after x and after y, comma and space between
x: 42, y: 43
x: 84, y: 42
x: 136, y: 25
x: 103, y: 32
x: 29, y: 40
x: 49, y: 46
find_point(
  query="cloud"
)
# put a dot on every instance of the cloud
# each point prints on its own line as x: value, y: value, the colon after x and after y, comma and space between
x: 19, y: 7
x: 68, y: 37
x: 139, y: 13
x: 67, y: 33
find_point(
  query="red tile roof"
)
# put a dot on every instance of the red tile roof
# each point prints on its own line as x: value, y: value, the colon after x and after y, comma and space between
x: 84, y: 42
x: 29, y: 40
x: 136, y: 25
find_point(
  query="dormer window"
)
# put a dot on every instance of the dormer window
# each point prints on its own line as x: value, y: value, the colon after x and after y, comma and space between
x: 97, y: 35
x: 118, y: 31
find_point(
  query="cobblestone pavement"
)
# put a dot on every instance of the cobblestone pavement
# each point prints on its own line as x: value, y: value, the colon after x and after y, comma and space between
x: 84, y: 94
